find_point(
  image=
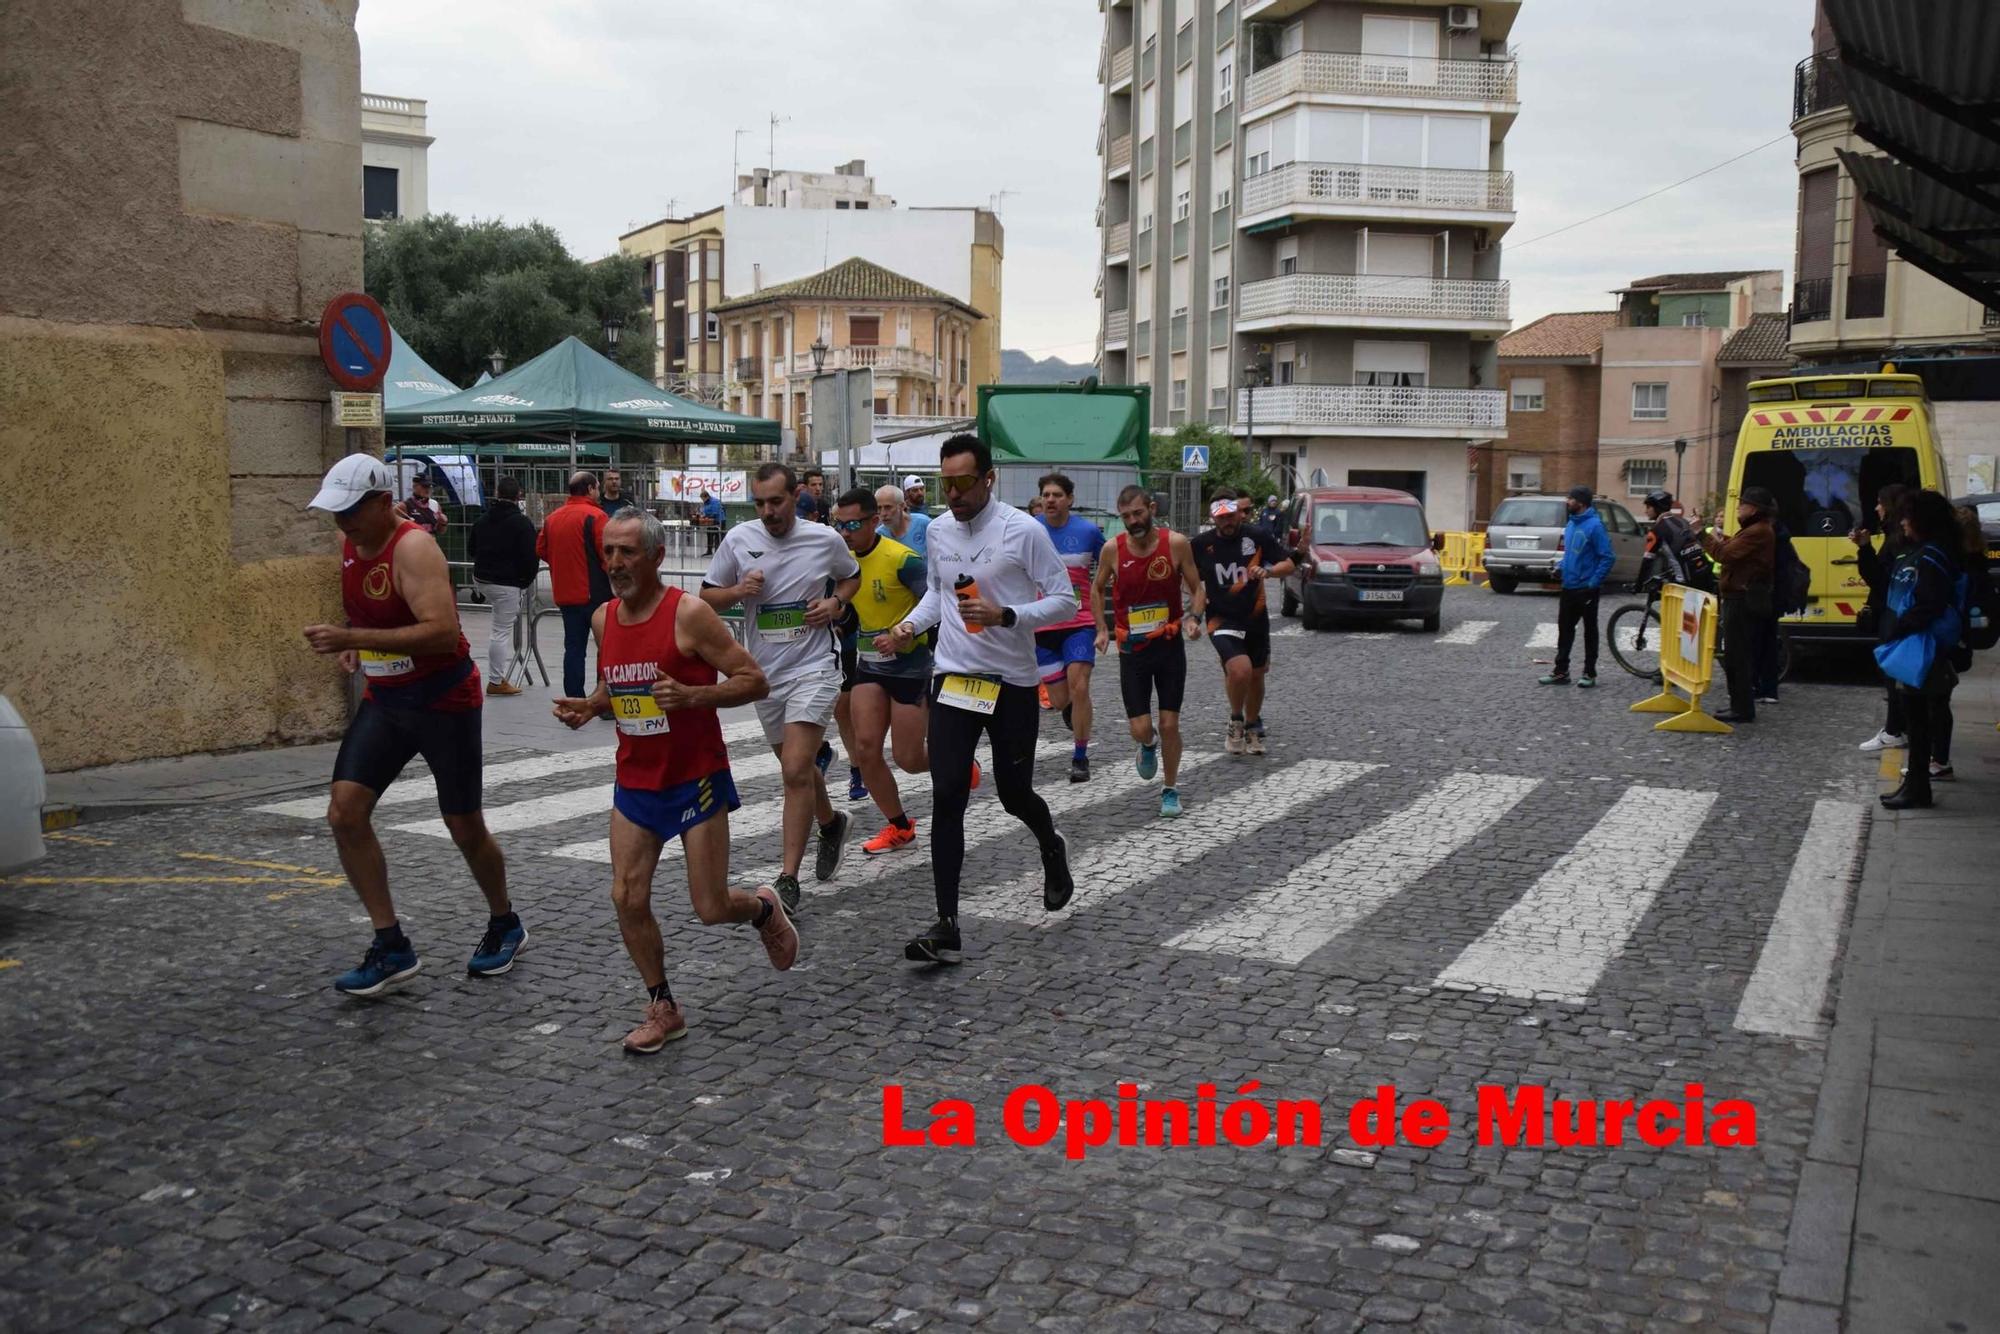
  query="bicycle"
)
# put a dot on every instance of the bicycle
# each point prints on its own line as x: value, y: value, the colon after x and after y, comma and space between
x: 1634, y: 631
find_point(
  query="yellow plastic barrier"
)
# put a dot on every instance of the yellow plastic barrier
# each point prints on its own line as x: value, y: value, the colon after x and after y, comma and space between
x: 1461, y: 557
x: 1687, y: 660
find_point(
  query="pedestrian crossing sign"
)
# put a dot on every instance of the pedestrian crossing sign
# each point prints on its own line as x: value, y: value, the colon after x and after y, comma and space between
x: 1194, y: 458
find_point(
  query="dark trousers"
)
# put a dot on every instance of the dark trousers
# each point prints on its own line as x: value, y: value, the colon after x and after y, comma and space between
x: 954, y: 732
x: 1940, y: 728
x: 1919, y: 717
x: 1576, y: 604
x: 1896, y: 723
x: 576, y: 640
x: 1739, y: 656
x: 1767, y: 658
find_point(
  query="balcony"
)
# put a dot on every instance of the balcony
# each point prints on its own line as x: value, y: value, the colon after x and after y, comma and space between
x: 1818, y: 84
x: 1812, y: 299
x: 1121, y: 68
x: 1355, y: 190
x: 1118, y: 243
x: 1121, y: 155
x: 1117, y: 328
x: 1348, y: 74
x: 749, y: 370
x: 1373, y: 300
x: 888, y: 360
x: 1343, y: 409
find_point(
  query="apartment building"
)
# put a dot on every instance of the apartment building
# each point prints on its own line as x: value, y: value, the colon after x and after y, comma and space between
x: 1856, y: 302
x: 1551, y: 372
x: 395, y: 161
x: 847, y: 186
x: 683, y: 283
x: 1301, y: 213
x: 1662, y: 384
x: 916, y: 339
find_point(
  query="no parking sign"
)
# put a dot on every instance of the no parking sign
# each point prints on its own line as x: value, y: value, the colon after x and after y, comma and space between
x: 354, y: 341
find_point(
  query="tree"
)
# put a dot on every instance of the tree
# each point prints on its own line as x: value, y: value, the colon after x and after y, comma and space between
x: 457, y: 291
x: 1229, y: 464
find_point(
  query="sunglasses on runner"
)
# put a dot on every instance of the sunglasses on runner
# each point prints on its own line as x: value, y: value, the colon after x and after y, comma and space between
x: 849, y: 525
x: 963, y: 484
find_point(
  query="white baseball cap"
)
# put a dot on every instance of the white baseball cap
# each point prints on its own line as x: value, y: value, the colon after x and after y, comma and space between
x: 351, y: 481
x: 910, y: 480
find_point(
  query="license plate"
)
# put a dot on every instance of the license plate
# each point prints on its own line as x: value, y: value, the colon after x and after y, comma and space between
x: 1381, y: 595
x: 1523, y: 543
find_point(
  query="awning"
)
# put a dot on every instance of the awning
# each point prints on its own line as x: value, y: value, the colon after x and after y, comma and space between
x: 571, y: 392
x: 410, y: 382
x: 1924, y: 88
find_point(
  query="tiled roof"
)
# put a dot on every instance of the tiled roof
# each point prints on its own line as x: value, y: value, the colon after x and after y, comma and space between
x: 1574, y: 333
x: 850, y: 280
x: 1689, y: 282
x: 1762, y: 342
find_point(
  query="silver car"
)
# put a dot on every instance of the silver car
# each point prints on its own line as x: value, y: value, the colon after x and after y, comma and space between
x: 1524, y: 542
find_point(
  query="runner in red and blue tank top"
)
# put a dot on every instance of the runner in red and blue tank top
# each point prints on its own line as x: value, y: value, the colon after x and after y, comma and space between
x: 666, y: 663
x: 1145, y: 573
x: 1067, y: 652
x: 423, y: 698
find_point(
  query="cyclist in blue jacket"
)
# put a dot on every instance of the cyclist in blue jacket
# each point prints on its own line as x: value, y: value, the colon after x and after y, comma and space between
x: 1586, y: 564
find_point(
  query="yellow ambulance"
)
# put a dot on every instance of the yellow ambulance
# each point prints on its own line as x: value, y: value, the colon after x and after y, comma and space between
x: 1824, y: 445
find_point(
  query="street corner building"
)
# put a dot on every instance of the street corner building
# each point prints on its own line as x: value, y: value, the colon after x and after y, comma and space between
x: 179, y: 210
x: 1301, y: 207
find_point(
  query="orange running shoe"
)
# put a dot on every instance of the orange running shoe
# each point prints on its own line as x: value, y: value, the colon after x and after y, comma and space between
x: 890, y: 839
x: 1043, y: 691
x: 975, y: 775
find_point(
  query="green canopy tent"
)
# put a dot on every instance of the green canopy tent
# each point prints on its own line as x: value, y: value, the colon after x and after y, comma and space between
x: 410, y: 381
x: 567, y: 395
x: 1096, y: 435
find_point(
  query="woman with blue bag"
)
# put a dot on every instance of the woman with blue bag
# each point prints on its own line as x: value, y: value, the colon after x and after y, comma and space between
x: 1923, y: 618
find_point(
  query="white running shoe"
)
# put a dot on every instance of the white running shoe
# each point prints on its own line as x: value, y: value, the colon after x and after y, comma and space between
x: 1233, y: 744
x: 1885, y: 740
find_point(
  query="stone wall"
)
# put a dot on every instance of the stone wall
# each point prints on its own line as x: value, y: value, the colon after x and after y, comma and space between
x: 183, y: 198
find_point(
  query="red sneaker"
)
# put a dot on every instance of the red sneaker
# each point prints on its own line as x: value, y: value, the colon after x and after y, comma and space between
x: 975, y: 775
x: 663, y: 1023
x: 890, y: 839
x: 781, y: 938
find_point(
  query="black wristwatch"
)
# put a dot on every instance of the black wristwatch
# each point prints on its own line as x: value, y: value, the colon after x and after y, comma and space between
x: 1008, y: 618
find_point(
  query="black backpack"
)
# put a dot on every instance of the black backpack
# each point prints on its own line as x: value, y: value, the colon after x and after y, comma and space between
x: 1791, y: 581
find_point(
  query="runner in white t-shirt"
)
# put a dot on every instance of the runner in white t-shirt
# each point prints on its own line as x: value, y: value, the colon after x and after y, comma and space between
x: 795, y: 581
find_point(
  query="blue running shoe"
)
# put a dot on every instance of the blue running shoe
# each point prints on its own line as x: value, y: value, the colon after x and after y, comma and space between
x: 1149, y: 761
x: 381, y: 969
x: 1170, y: 804
x: 497, y: 949
x: 825, y: 757
x: 856, y: 789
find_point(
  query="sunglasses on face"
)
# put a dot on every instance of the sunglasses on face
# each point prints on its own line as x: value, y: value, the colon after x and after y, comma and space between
x: 849, y: 525
x: 961, y: 485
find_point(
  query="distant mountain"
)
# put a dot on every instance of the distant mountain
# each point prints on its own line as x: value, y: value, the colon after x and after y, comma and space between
x: 1017, y: 367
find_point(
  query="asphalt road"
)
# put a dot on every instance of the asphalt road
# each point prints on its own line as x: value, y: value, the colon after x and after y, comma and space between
x: 1441, y: 877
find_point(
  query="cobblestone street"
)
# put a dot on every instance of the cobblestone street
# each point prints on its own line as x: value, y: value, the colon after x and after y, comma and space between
x: 1455, y: 878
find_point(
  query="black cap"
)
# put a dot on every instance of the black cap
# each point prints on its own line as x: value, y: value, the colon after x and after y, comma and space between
x: 1581, y: 494
x: 1760, y: 497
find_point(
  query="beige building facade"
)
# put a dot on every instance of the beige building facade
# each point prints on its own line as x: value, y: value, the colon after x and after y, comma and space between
x: 917, y: 341
x: 683, y: 282
x: 395, y: 157
x: 158, y: 354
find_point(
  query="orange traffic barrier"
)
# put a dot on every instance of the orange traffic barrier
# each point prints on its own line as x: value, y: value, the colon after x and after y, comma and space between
x: 1687, y: 661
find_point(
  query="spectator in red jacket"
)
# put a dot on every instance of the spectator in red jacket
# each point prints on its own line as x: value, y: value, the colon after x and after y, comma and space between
x: 572, y: 542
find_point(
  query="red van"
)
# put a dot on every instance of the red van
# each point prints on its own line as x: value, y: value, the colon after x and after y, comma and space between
x: 1364, y: 552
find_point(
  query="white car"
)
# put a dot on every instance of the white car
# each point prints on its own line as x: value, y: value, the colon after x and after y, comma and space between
x: 23, y: 790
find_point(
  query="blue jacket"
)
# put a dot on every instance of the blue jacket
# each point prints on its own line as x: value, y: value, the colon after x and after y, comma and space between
x: 1587, y: 556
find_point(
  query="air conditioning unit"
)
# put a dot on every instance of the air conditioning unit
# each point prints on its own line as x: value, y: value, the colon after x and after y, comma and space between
x: 1461, y: 18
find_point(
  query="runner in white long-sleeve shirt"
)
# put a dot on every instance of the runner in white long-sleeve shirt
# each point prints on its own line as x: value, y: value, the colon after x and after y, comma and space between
x: 993, y: 579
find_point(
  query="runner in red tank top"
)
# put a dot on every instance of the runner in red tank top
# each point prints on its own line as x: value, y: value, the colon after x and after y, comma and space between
x: 423, y: 698
x: 659, y: 654
x: 1145, y: 573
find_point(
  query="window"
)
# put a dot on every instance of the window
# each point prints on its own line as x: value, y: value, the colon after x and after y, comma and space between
x: 1527, y: 395
x: 1145, y: 223
x: 1222, y: 197
x: 1179, y: 401
x: 1184, y: 96
x: 861, y: 203
x: 1284, y: 363
x: 1181, y: 206
x: 1649, y: 402
x: 1392, y: 365
x: 864, y: 330
x: 1695, y: 319
x: 1221, y: 300
x: 1225, y: 92
x: 842, y: 203
x: 1288, y: 255
x: 1643, y: 475
x: 378, y: 193
x: 1218, y: 396
x: 712, y: 327
x: 1524, y: 473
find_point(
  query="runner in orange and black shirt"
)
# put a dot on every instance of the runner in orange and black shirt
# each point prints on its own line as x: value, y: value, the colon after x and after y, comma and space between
x: 1235, y: 558
x: 1145, y: 570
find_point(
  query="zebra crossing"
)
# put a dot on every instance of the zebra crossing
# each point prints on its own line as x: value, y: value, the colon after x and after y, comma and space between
x: 1555, y: 942
x: 1466, y: 634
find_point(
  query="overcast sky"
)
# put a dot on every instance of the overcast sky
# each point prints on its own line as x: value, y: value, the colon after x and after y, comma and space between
x: 598, y: 115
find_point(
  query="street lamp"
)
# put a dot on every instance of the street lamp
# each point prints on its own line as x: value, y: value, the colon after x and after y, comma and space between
x: 497, y: 361
x: 1680, y: 449
x: 612, y: 325
x: 1250, y: 378
x: 819, y: 351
